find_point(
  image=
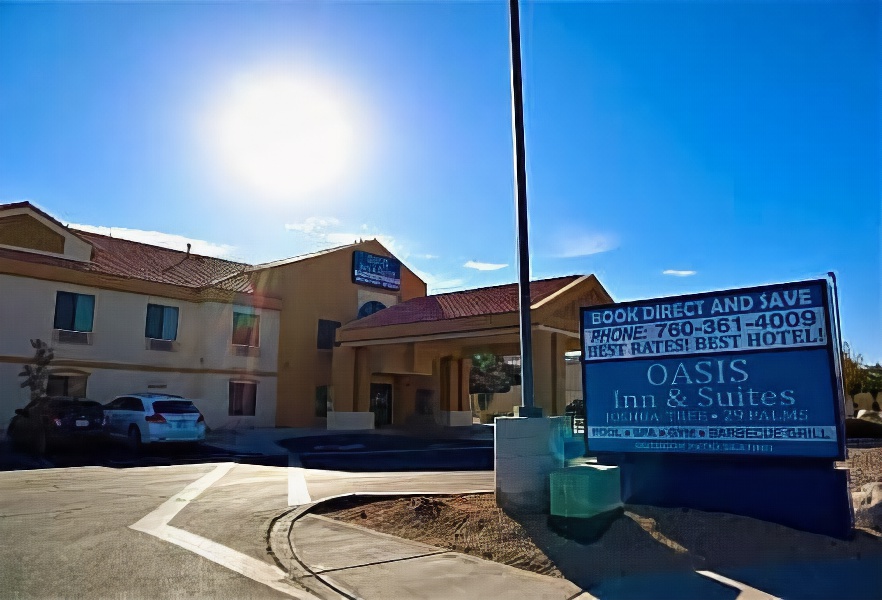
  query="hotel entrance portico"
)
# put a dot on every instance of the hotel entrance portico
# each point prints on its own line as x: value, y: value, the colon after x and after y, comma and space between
x: 418, y: 353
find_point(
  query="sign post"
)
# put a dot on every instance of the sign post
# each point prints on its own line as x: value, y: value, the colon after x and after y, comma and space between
x: 728, y: 400
x: 520, y: 158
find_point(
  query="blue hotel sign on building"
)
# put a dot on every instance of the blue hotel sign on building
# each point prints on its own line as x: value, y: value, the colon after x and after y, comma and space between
x: 377, y: 271
x: 744, y: 372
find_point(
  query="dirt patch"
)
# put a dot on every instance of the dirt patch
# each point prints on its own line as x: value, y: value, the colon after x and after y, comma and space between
x: 471, y: 524
x: 643, y: 539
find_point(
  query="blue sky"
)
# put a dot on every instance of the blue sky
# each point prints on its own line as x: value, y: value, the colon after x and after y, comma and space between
x: 672, y: 147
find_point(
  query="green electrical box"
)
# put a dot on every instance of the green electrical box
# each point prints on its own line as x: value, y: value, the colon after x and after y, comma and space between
x: 585, y: 490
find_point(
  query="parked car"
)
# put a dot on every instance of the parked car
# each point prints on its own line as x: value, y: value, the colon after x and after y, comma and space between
x: 47, y: 421
x: 151, y: 418
x: 576, y: 408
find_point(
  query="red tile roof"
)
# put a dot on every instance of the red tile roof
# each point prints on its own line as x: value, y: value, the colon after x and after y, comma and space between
x: 467, y: 303
x: 136, y: 260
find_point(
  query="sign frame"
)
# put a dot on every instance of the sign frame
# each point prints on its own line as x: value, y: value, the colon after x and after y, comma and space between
x: 832, y: 348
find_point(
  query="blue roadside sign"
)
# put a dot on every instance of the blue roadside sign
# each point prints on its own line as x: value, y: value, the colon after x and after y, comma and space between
x: 752, y: 371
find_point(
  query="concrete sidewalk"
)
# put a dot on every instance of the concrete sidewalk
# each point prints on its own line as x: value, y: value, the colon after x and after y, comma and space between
x: 354, y: 562
x: 338, y: 560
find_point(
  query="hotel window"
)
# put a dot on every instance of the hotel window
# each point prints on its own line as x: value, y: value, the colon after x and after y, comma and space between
x: 327, y: 332
x: 246, y: 329
x: 74, y: 312
x: 162, y: 322
x: 67, y: 385
x: 243, y: 398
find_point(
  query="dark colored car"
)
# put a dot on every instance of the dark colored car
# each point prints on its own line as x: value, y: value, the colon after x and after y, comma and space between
x: 576, y: 408
x: 50, y: 420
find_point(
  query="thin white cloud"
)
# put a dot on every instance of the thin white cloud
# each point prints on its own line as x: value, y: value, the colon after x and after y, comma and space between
x: 164, y: 240
x: 437, y: 283
x: 339, y: 239
x: 587, y: 244
x: 317, y: 231
x: 482, y: 266
x: 313, y: 224
x: 677, y: 273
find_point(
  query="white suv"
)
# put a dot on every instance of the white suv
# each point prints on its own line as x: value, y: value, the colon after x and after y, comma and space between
x: 148, y: 418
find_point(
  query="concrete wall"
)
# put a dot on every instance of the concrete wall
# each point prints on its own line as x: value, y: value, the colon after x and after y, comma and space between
x: 864, y: 401
x: 350, y: 420
x: 118, y: 361
x: 501, y: 404
x: 526, y: 452
x: 573, y: 373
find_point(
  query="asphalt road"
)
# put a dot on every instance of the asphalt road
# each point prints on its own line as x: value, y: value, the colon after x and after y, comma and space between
x: 66, y: 533
x: 108, y: 453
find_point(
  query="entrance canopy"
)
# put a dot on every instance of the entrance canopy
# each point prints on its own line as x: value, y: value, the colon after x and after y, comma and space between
x: 423, y: 347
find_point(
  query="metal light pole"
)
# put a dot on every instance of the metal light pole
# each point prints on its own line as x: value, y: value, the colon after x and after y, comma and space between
x: 520, y: 160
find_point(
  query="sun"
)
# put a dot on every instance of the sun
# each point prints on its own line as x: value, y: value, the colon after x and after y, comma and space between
x: 283, y: 136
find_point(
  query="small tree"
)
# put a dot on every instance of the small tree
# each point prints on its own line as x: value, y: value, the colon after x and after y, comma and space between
x: 854, y: 375
x: 491, y: 375
x: 874, y: 380
x: 37, y: 374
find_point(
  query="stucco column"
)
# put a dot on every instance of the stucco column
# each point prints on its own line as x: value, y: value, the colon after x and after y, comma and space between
x: 550, y: 371
x: 543, y: 371
x: 448, y: 382
x: 559, y: 368
x: 362, y: 400
x: 465, y: 372
x: 343, y: 378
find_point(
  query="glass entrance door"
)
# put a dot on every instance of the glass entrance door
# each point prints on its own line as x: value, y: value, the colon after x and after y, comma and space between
x: 381, y: 403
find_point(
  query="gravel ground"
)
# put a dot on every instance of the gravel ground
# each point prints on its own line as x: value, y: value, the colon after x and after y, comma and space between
x: 473, y: 524
x: 865, y: 466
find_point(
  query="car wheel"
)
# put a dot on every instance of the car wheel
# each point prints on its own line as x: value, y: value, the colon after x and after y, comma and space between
x: 134, y: 438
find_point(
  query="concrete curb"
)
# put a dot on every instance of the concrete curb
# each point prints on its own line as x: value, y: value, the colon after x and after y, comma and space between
x: 285, y: 554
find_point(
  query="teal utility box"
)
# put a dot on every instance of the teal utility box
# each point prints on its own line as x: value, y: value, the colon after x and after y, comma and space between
x: 585, y: 490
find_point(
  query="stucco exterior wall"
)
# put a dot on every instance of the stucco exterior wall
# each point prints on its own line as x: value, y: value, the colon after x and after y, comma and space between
x: 118, y: 360
x: 316, y: 288
x: 25, y: 231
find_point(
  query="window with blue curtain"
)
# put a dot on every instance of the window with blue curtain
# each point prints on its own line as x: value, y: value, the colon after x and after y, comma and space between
x: 162, y: 322
x: 74, y: 312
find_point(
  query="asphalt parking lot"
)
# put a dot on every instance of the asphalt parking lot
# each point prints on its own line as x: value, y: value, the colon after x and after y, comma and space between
x: 109, y: 453
x: 372, y: 452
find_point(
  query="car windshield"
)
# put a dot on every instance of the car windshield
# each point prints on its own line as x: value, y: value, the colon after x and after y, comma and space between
x: 174, y: 407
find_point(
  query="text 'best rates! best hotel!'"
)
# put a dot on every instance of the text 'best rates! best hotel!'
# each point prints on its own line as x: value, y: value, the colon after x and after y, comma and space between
x: 745, y: 371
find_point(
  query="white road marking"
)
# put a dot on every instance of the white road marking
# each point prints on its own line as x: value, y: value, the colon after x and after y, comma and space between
x: 747, y: 592
x: 157, y: 524
x: 167, y: 510
x: 298, y: 492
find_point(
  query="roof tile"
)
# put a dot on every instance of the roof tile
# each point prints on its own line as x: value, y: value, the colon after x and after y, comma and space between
x: 467, y: 303
x: 125, y: 258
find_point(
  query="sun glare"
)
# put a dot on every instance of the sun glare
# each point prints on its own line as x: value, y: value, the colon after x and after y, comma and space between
x: 283, y: 137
